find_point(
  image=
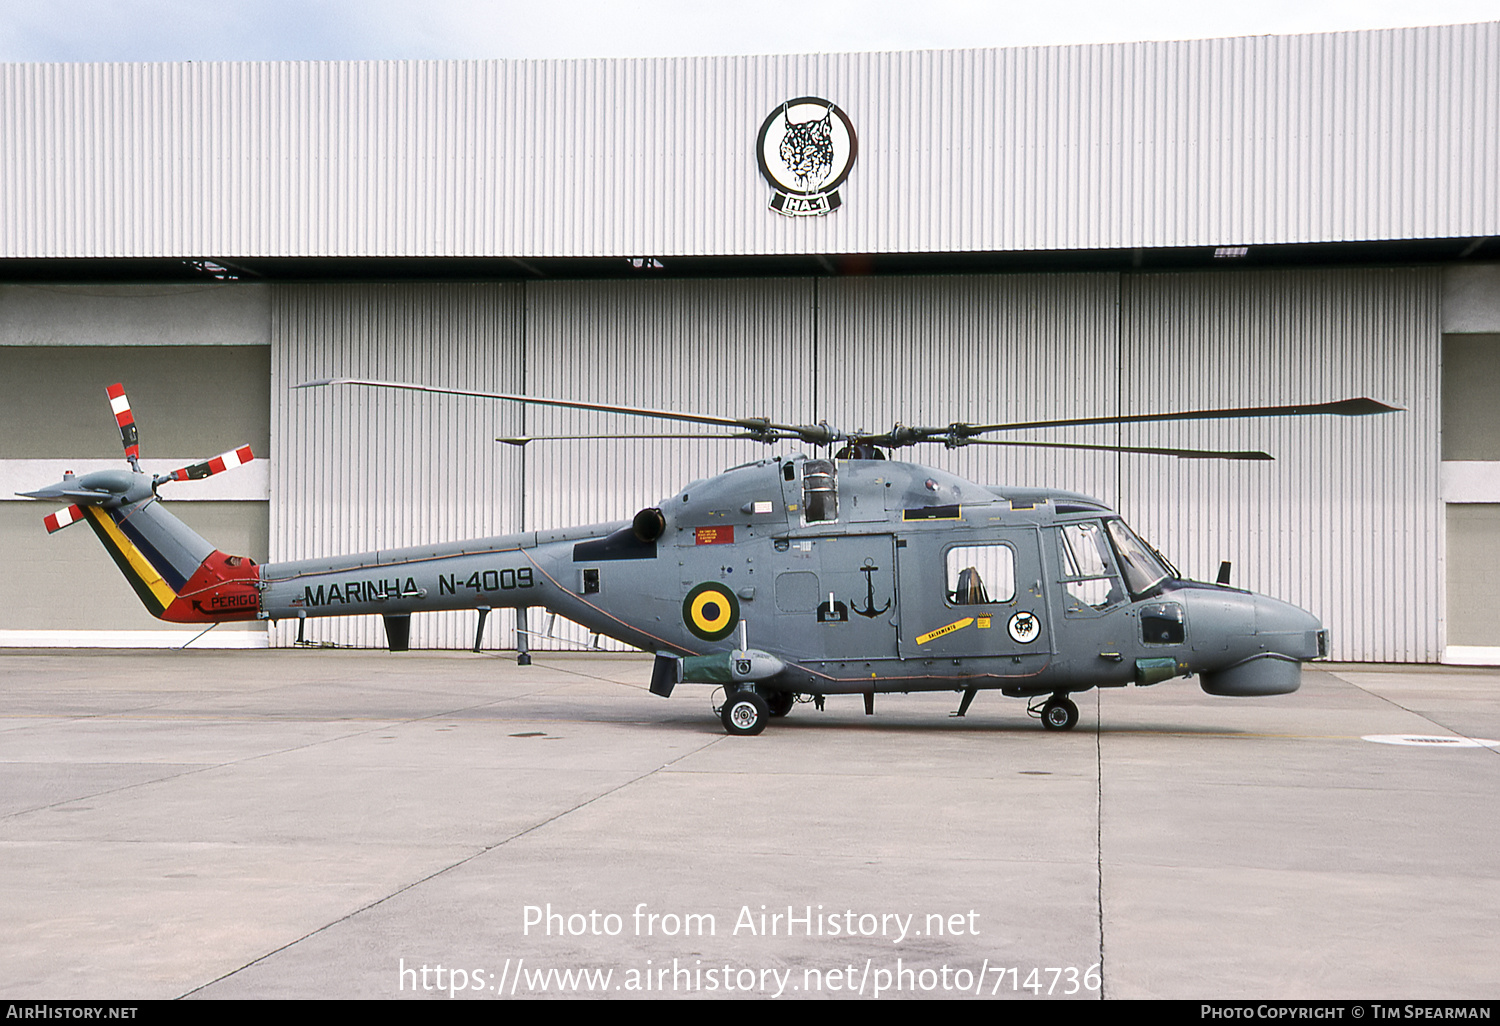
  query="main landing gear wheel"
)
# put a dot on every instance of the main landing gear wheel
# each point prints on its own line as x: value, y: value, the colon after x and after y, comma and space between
x: 781, y: 702
x: 745, y: 713
x: 1060, y: 714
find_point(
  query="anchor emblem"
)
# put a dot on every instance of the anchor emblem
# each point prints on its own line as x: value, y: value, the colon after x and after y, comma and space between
x: 870, y: 611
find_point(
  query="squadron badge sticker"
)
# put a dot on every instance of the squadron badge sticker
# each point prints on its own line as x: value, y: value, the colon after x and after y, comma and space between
x: 806, y: 148
x: 1024, y: 628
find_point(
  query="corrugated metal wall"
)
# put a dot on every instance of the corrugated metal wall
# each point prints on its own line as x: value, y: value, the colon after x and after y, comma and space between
x: 986, y: 349
x: 367, y: 468
x: 1347, y: 136
x: 1346, y: 522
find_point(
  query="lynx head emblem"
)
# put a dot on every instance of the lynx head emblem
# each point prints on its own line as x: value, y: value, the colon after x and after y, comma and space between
x: 806, y: 149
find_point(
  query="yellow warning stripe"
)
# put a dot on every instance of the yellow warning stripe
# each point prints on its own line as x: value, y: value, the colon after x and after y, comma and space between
x: 133, y: 562
x: 956, y: 625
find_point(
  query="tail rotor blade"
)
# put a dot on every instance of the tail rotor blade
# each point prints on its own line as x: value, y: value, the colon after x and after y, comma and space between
x: 129, y: 436
x: 62, y: 518
x: 208, y: 468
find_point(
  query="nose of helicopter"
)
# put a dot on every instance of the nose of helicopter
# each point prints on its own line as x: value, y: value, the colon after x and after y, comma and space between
x: 1267, y: 660
x: 1284, y: 629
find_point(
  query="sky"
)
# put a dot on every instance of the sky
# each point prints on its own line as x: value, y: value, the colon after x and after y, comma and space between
x: 264, y: 30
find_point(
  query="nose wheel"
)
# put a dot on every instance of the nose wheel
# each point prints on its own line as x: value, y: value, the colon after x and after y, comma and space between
x: 1059, y: 713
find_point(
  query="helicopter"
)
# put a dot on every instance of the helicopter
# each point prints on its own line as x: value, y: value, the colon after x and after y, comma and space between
x: 783, y: 579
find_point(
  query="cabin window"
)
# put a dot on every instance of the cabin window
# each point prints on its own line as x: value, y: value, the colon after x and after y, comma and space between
x: 820, y: 492
x: 981, y: 574
x: 1088, y: 574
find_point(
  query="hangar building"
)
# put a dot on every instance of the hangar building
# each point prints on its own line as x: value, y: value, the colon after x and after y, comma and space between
x: 927, y: 237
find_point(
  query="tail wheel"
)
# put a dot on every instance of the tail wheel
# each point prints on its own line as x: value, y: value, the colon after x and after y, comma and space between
x: 745, y: 713
x: 1060, y: 714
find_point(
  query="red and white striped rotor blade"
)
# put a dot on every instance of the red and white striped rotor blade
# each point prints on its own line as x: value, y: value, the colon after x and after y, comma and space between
x: 208, y: 468
x: 129, y: 436
x: 62, y: 518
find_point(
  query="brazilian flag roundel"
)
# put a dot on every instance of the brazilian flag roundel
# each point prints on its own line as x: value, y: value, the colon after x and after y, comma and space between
x: 711, y: 611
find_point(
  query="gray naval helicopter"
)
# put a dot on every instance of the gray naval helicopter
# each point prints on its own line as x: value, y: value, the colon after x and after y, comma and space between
x: 786, y: 578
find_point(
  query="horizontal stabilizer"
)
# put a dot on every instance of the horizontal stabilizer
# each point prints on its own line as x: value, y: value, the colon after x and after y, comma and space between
x: 58, y: 492
x: 98, y: 488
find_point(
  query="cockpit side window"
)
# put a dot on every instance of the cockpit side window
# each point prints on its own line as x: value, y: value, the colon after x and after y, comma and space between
x: 1088, y: 573
x: 1143, y: 569
x: 980, y: 575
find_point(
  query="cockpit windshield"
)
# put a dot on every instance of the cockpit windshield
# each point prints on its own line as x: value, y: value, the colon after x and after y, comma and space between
x: 1142, y: 567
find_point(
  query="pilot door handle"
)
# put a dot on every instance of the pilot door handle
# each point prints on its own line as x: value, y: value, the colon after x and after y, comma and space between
x: 1114, y: 657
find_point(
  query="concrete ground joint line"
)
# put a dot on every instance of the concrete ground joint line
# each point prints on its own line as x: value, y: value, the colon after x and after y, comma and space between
x: 448, y: 868
x: 199, y: 768
x: 1099, y: 826
x: 205, y: 767
x: 112, y: 790
x: 1412, y: 712
x: 154, y: 706
x: 591, y: 676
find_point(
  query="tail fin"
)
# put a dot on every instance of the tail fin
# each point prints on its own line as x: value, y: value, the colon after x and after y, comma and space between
x: 177, y: 575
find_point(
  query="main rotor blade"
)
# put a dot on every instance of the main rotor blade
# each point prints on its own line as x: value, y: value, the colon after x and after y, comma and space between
x: 616, y: 438
x: 761, y: 428
x: 1186, y: 454
x: 1361, y: 407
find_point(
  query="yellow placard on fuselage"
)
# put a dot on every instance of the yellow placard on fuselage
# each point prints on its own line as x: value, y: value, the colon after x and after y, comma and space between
x: 956, y: 625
